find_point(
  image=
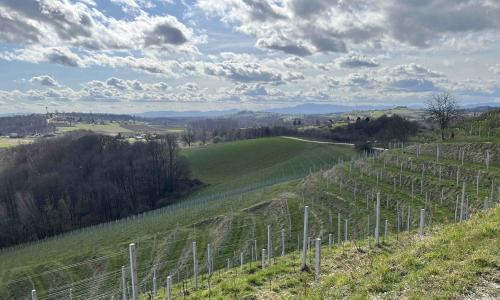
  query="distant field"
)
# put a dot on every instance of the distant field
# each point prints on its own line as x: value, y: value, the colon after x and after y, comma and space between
x: 6, y: 142
x: 108, y: 129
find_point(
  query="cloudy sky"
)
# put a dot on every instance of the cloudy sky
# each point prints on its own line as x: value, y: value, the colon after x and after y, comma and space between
x: 146, y: 55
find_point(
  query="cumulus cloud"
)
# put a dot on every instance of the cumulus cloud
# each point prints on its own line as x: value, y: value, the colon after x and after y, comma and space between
x: 420, y: 22
x: 495, y: 69
x: 304, y: 27
x: 44, y: 80
x: 355, y: 61
x: 77, y: 31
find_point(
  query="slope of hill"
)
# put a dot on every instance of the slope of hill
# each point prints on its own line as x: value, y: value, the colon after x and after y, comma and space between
x: 236, y: 224
x: 448, y: 262
x: 238, y: 164
x: 243, y: 175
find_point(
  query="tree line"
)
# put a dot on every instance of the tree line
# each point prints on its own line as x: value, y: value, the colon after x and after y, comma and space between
x: 379, y: 131
x: 25, y: 125
x: 81, y: 179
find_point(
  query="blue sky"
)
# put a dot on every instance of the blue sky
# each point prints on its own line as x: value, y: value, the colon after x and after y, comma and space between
x: 129, y: 56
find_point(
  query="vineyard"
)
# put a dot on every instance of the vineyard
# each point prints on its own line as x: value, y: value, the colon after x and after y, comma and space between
x: 405, y: 222
x: 89, y: 260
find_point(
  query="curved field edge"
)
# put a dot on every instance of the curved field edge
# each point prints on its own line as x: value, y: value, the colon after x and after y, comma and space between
x: 238, y: 164
x: 449, y: 261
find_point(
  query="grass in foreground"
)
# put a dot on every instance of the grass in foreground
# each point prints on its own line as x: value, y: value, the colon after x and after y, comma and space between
x: 450, y: 261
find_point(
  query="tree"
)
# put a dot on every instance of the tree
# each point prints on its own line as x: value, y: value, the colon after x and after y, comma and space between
x: 443, y: 109
x: 188, y: 136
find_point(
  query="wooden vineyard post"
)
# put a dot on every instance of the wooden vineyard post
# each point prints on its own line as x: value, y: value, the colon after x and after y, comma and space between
x: 282, y: 242
x: 263, y: 258
x: 477, y: 183
x: 124, y: 284
x: 330, y: 239
x: 385, y: 230
x: 209, y: 259
x: 269, y: 245
x: 255, y: 248
x: 241, y: 261
x: 397, y: 221
x: 422, y: 221
x: 339, y: 238
x: 377, y: 221
x: 345, y: 231
x: 368, y: 231
x: 462, y: 203
x: 318, y: 259
x: 195, y: 267
x: 154, y: 281
x: 408, y: 219
x: 487, y: 161
x: 70, y: 294
x: 33, y: 295
x: 304, y: 241
x: 169, y: 287
x: 133, y: 271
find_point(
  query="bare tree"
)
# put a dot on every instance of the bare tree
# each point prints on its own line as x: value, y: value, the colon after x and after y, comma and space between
x: 188, y: 137
x: 443, y: 109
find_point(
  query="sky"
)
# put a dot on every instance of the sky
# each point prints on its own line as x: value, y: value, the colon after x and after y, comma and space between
x: 132, y: 56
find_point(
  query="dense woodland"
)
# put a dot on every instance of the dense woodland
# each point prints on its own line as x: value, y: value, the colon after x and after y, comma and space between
x: 82, y: 179
x: 25, y: 125
x: 379, y: 131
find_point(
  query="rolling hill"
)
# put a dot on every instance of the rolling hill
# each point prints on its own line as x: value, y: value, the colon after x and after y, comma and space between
x: 239, y: 175
x: 457, y: 256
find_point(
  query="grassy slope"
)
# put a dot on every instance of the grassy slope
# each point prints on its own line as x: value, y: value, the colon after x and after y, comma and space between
x: 449, y: 261
x: 229, y: 223
x: 242, y: 163
x: 168, y: 233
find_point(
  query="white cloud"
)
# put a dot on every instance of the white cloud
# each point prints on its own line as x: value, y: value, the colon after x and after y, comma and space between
x: 63, y: 32
x: 45, y: 80
x: 355, y: 61
x: 304, y: 27
x: 495, y: 69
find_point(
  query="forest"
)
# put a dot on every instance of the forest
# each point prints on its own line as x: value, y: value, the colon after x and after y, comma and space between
x: 82, y: 179
x: 378, y: 131
x: 25, y: 125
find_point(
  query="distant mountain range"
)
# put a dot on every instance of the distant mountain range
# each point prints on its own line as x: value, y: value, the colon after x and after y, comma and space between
x: 306, y: 109
x: 314, y: 109
x: 188, y: 114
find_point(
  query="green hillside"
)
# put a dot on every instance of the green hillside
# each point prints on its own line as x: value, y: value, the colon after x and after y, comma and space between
x: 101, y: 250
x: 244, y: 203
x: 238, y: 164
x: 448, y: 262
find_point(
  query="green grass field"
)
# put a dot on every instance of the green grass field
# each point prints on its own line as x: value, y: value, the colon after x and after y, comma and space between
x: 238, y: 164
x: 6, y: 142
x: 251, y: 162
x: 107, y: 129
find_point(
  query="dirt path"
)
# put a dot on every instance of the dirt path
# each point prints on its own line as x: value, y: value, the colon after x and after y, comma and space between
x: 322, y: 142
